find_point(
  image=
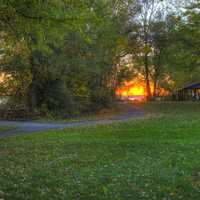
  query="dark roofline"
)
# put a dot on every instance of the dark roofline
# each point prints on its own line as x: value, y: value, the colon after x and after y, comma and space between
x: 191, y: 86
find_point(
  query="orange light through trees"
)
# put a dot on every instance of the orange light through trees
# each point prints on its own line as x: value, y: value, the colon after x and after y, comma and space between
x: 2, y: 77
x: 137, y: 90
x: 131, y: 88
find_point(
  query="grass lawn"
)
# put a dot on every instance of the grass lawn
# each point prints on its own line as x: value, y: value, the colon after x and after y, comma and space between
x: 5, y: 128
x: 157, y: 157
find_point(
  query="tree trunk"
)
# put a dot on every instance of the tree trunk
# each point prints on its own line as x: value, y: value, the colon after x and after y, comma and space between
x: 33, y: 88
x: 155, y: 88
x: 148, y: 87
x: 32, y: 97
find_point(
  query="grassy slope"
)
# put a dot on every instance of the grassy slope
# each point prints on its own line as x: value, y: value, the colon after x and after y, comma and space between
x: 153, y: 158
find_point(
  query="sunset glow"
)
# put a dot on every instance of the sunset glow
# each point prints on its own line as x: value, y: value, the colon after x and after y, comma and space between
x: 136, y: 90
x: 133, y: 90
x: 2, y: 77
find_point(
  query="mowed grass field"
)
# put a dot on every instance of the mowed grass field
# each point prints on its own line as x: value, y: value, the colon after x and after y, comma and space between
x: 154, y: 158
x: 5, y: 128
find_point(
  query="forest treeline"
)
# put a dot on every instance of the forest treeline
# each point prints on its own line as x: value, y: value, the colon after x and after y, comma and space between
x: 67, y: 56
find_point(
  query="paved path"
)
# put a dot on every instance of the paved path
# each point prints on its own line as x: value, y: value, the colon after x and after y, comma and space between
x: 30, y: 127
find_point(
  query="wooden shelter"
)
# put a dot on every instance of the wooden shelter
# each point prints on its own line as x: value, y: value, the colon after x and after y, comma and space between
x: 189, y: 92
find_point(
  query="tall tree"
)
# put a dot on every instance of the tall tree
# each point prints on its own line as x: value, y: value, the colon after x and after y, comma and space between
x: 183, y: 51
x: 148, y: 13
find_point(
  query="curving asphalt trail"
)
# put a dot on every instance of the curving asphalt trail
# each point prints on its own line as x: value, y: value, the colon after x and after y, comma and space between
x: 30, y: 127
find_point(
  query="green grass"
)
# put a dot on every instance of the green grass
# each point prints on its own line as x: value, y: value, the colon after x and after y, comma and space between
x: 157, y: 157
x: 5, y: 128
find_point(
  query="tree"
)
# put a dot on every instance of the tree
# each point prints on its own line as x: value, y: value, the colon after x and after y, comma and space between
x: 71, y: 51
x: 183, y: 51
x: 143, y: 18
x: 159, y: 42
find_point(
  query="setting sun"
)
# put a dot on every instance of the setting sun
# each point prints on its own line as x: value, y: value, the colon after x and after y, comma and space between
x: 137, y: 90
x: 132, y: 90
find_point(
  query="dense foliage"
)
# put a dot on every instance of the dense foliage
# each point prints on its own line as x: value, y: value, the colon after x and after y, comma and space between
x: 183, y: 51
x: 66, y: 56
x: 61, y: 55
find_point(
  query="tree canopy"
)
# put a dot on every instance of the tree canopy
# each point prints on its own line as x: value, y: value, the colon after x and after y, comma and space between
x: 66, y: 56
